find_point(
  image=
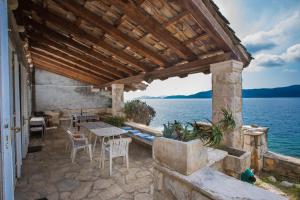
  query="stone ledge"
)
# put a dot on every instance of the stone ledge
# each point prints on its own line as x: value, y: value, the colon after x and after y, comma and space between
x: 278, y: 164
x: 144, y: 128
x: 292, y: 160
x: 216, y: 185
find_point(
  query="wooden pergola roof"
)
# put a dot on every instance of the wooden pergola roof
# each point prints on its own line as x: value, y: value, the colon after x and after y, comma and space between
x: 101, y: 42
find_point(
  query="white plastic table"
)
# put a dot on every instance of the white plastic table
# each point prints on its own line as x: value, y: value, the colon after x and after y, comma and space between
x: 104, y: 133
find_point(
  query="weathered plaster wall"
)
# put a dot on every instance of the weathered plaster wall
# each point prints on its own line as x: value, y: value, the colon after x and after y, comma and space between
x: 55, y: 92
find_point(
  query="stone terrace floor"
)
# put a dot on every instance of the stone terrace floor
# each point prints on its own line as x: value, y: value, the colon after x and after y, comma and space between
x: 50, y: 173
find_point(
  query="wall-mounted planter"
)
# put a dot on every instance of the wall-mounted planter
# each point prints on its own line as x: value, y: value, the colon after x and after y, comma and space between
x: 183, y: 157
x: 236, y: 162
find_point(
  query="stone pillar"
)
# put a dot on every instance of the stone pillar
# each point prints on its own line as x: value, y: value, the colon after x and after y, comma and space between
x: 227, y: 93
x: 256, y: 142
x: 117, y: 95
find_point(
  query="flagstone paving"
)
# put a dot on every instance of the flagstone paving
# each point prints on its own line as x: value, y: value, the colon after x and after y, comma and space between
x: 51, y: 174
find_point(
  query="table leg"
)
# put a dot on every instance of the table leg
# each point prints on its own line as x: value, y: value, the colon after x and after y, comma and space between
x: 102, y: 153
x: 95, y: 143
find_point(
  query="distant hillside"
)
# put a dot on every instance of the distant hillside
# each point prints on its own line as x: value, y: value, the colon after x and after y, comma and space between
x: 290, y: 91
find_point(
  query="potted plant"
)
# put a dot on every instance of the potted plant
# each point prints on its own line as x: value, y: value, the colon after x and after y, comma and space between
x: 182, y: 146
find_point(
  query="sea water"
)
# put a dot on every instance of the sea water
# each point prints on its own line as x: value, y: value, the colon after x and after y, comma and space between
x: 281, y: 115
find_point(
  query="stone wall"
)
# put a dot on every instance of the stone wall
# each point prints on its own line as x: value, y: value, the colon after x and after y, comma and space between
x: 281, y: 165
x: 256, y: 142
x: 59, y: 93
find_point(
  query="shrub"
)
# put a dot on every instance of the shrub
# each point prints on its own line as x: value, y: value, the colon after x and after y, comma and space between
x: 115, y: 121
x: 211, y: 134
x: 139, y: 112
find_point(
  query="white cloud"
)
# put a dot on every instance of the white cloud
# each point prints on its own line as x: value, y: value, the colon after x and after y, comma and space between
x: 292, y: 54
x: 277, y: 34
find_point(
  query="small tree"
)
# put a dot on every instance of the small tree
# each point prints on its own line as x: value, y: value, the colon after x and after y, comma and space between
x: 139, y: 112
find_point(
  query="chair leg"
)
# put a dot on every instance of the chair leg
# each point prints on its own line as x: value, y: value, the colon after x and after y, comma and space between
x: 95, y: 143
x: 67, y: 146
x: 72, y: 151
x: 90, y: 152
x: 110, y: 165
x: 74, y: 155
x: 127, y: 162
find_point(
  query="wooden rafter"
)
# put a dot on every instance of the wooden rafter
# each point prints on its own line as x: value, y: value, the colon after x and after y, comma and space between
x: 78, y: 56
x: 207, y: 22
x: 71, y: 28
x: 54, y: 36
x: 176, y: 70
x: 67, y: 65
x: 200, y: 37
x: 65, y: 72
x: 176, y: 18
x: 151, y: 25
x: 64, y: 58
x: 80, y: 11
x: 62, y: 67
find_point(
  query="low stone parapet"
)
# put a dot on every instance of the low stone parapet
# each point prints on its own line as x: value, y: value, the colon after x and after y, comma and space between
x: 204, y: 184
x: 278, y: 164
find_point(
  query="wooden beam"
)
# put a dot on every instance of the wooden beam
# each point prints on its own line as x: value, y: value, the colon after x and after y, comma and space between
x: 176, y: 18
x: 61, y: 70
x: 42, y: 51
x: 141, y: 17
x: 79, y: 57
x: 80, y: 11
x: 13, y: 4
x: 199, y: 37
x: 208, y: 22
x: 196, y: 66
x: 71, y: 28
x: 62, y: 67
x: 54, y: 36
x: 46, y: 58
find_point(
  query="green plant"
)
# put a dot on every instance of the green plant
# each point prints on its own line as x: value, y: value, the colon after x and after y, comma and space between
x: 211, y: 134
x: 168, y: 130
x: 115, y: 121
x: 139, y: 111
x: 227, y: 122
x: 179, y: 131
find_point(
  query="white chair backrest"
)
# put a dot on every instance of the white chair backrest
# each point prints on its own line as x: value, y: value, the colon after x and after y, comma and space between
x: 119, y: 147
x: 70, y: 136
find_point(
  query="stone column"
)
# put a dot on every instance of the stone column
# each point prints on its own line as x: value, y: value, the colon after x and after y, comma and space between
x: 117, y: 95
x: 227, y: 93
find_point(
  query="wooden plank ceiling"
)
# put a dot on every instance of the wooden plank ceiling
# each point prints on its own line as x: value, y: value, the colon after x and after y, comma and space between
x: 101, y: 42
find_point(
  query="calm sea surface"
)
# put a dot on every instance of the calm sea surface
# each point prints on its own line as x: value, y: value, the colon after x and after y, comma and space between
x: 281, y: 115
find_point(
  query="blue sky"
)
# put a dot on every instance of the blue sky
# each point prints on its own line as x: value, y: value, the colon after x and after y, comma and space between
x: 271, y: 32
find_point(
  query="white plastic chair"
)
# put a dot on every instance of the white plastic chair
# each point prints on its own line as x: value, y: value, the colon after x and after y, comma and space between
x: 78, y: 142
x: 116, y: 148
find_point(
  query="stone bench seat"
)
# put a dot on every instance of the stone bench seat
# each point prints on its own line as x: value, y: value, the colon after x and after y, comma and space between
x: 139, y: 136
x: 206, y: 184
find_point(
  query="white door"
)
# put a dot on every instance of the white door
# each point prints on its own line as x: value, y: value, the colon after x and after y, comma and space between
x: 12, y: 108
x: 7, y: 192
x: 17, y: 116
x: 25, y: 114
